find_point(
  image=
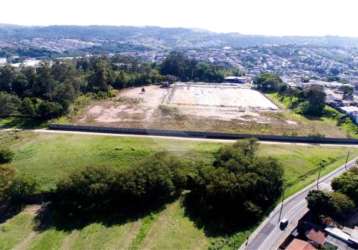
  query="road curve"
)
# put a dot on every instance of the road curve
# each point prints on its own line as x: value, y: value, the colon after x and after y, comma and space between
x: 268, y: 235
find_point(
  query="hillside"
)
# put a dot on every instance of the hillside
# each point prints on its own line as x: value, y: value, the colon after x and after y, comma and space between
x: 67, y: 38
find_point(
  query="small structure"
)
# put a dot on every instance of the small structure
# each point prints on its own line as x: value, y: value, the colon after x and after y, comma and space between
x: 3, y: 61
x: 237, y: 79
x: 165, y: 85
x: 316, y: 237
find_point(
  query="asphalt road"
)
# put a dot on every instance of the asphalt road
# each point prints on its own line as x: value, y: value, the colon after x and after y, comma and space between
x: 268, y: 236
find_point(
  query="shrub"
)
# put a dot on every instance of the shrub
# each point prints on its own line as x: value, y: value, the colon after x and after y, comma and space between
x: 21, y: 189
x: 100, y: 189
x: 89, y: 189
x: 6, y: 155
x: 7, y: 175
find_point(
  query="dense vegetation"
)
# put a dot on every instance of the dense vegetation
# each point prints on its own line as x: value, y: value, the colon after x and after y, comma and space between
x: 308, y: 101
x: 238, y: 188
x: 94, y: 190
x: 49, y: 90
x: 186, y: 69
x: 341, y: 201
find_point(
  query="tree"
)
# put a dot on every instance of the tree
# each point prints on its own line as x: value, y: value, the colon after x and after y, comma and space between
x: 101, y: 78
x: 7, y: 76
x: 240, y: 186
x: 6, y: 155
x: 314, y: 103
x: 44, y: 84
x: 28, y: 107
x: 268, y: 82
x: 9, y: 104
x: 319, y: 202
x: 342, y: 203
x: 177, y: 64
x: 48, y: 110
x: 20, y: 84
x: 347, y: 184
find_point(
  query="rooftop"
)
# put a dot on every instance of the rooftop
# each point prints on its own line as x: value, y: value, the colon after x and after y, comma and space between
x: 297, y: 244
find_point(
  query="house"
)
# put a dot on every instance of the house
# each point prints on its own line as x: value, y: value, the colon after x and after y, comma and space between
x: 298, y: 244
x: 316, y: 237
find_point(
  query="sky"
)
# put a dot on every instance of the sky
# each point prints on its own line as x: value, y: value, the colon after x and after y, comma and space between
x: 266, y: 17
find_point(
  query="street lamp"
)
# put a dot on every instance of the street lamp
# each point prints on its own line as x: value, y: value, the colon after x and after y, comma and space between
x: 345, y: 165
x: 281, y: 208
x: 321, y: 165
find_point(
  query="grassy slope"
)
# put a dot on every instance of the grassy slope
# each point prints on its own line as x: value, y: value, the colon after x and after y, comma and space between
x: 325, y: 125
x: 49, y: 157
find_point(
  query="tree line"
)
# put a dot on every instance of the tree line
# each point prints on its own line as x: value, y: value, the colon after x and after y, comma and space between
x: 49, y: 90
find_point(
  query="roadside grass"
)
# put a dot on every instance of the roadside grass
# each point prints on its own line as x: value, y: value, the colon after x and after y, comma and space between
x: 49, y: 157
x: 21, y: 123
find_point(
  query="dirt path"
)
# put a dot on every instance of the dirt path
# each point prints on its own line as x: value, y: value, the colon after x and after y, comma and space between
x: 25, y: 244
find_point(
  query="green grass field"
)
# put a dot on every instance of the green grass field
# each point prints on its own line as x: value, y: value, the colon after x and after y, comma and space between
x: 48, y: 157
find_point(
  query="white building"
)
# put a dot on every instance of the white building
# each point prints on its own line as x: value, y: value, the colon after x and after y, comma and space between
x: 3, y: 60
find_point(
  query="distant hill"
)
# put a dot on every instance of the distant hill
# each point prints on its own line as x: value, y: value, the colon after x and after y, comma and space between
x: 110, y: 38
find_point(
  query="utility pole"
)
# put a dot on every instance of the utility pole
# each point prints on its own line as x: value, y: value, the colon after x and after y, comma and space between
x: 345, y: 165
x: 321, y: 165
x: 281, y: 208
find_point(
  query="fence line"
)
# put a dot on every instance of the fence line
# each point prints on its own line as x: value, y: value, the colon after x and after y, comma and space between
x: 202, y: 134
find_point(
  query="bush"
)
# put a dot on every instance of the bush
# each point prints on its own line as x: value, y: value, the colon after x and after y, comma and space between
x: 21, y: 189
x: 89, y: 189
x: 7, y: 175
x: 100, y: 189
x: 6, y: 155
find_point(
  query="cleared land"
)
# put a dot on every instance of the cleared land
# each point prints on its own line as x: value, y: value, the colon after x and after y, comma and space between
x: 48, y: 157
x: 222, y: 102
x: 203, y: 107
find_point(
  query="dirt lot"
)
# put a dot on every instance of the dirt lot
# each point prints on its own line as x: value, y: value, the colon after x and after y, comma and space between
x: 207, y: 101
x: 199, y: 107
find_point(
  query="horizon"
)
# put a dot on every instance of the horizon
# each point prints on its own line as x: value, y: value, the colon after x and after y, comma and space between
x: 194, y: 29
x: 255, y: 17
